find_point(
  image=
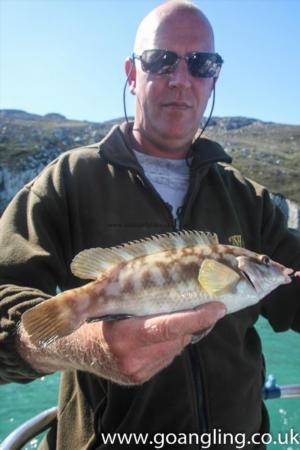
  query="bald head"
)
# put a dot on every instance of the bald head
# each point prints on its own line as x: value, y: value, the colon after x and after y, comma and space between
x: 171, y: 12
x: 170, y: 104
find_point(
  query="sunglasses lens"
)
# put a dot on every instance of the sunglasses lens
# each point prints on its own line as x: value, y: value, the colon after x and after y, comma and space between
x: 158, y: 61
x: 200, y: 64
x: 204, y: 65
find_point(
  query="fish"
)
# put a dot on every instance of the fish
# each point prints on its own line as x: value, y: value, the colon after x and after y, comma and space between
x: 160, y: 274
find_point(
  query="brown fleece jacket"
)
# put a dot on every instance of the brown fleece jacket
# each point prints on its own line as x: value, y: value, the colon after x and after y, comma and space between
x: 99, y: 196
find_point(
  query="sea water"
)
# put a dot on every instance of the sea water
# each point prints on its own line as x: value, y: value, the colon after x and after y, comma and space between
x: 21, y: 402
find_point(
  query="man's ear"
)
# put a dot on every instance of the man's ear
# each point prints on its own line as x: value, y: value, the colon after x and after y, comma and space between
x: 130, y: 70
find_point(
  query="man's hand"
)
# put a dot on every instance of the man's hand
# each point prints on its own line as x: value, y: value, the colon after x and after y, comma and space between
x: 142, y: 347
x: 127, y: 351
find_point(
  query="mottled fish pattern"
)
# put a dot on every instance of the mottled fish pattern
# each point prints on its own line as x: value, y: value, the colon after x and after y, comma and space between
x: 157, y: 275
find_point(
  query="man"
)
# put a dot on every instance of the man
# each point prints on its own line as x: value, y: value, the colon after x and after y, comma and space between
x: 101, y: 196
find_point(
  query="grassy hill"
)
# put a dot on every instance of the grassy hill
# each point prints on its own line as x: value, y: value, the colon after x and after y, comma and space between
x: 266, y: 152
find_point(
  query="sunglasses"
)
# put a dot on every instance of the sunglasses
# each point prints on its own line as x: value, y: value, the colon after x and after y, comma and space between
x: 200, y: 64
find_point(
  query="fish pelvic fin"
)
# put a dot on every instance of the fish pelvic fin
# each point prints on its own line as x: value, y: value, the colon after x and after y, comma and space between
x: 49, y: 321
x: 95, y: 262
x: 217, y: 278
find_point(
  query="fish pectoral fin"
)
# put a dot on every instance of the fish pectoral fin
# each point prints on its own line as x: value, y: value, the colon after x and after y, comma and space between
x: 49, y: 321
x: 217, y: 278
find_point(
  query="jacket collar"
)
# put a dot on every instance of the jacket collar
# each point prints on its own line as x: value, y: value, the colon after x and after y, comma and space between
x: 115, y: 149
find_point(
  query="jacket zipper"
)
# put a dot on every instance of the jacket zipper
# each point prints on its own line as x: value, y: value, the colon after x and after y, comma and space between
x: 195, y: 362
x: 194, y: 358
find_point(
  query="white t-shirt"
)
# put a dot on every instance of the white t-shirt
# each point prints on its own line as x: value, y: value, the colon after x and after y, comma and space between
x: 170, y: 178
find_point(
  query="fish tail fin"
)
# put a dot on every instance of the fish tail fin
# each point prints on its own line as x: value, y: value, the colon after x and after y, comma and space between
x: 49, y: 321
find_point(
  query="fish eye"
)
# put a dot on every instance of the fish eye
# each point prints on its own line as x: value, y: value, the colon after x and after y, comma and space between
x: 265, y: 260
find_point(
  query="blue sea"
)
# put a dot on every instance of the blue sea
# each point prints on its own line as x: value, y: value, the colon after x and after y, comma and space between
x: 21, y: 402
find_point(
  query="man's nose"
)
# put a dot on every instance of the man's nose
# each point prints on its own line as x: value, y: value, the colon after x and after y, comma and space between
x: 180, y: 77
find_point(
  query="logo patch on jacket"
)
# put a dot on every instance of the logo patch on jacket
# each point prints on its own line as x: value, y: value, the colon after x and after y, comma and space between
x: 236, y: 240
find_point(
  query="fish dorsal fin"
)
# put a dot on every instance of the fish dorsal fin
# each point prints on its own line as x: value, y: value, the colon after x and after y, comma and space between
x: 217, y: 278
x: 88, y: 264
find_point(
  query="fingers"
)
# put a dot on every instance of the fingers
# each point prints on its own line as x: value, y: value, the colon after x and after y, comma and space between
x: 141, y: 347
x: 127, y: 335
x: 145, y: 362
x: 155, y: 329
x: 172, y: 326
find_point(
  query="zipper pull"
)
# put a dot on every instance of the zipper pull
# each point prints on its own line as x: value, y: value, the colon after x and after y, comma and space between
x: 177, y: 220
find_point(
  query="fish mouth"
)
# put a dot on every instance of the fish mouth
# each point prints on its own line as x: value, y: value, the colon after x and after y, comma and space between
x: 287, y: 273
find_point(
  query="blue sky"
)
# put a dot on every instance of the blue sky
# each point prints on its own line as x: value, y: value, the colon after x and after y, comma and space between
x: 67, y: 56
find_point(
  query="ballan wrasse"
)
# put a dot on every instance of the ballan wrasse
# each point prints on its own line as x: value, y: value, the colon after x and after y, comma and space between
x: 157, y: 275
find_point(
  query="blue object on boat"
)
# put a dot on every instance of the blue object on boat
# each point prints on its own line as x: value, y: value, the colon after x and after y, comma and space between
x: 271, y: 388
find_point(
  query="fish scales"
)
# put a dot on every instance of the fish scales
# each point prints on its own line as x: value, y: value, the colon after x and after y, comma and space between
x: 155, y: 272
x: 160, y: 274
x: 161, y: 268
x: 136, y: 283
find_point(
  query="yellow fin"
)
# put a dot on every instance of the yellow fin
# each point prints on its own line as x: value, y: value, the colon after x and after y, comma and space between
x: 48, y: 321
x: 88, y: 264
x: 217, y: 278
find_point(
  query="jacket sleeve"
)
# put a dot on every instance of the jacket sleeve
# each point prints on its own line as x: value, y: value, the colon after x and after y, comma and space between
x: 282, y: 307
x: 34, y: 247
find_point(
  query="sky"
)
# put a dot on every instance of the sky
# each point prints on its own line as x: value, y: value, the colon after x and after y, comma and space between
x: 67, y: 56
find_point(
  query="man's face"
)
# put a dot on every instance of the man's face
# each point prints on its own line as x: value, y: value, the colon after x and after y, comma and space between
x: 169, y: 107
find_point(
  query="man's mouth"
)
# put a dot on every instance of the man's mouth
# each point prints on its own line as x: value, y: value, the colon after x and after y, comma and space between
x: 177, y: 105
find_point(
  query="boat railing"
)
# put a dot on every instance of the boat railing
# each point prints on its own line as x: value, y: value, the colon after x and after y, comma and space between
x: 29, y: 429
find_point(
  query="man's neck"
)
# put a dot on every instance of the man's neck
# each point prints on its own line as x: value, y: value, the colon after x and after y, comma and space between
x: 142, y: 143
